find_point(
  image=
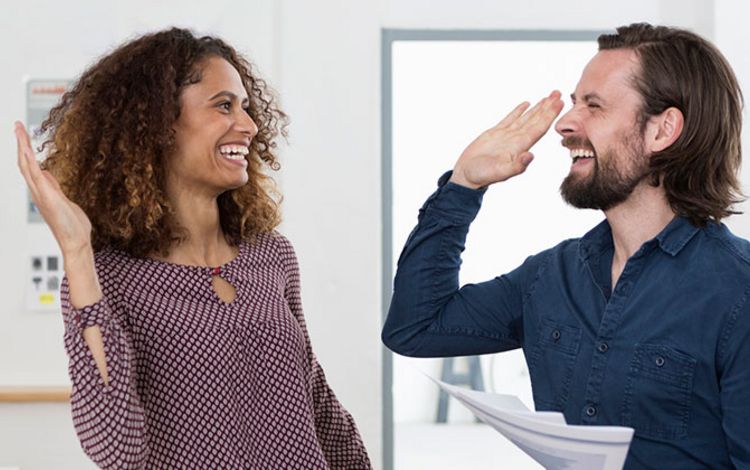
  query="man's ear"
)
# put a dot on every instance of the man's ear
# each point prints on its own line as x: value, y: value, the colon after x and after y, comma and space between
x: 664, y: 129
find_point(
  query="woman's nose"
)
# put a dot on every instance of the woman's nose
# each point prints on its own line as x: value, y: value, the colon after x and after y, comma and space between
x: 246, y: 124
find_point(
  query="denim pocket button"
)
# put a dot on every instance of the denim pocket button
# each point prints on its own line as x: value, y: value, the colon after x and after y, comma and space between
x: 658, y: 392
x: 552, y: 363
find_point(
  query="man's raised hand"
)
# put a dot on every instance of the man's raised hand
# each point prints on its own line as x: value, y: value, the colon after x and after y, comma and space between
x: 502, y: 151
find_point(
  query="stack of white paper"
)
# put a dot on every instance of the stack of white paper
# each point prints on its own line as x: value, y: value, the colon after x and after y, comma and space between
x: 544, y: 435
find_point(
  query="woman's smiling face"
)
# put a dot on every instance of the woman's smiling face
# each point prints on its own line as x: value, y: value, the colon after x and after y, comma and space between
x: 213, y: 132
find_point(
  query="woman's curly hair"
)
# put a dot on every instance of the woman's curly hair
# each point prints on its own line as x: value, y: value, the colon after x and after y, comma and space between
x: 109, y: 136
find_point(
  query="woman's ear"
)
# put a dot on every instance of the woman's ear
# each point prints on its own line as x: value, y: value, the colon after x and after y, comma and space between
x: 665, y: 128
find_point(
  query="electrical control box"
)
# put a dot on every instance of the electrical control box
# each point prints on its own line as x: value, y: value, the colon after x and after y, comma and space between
x: 44, y: 264
x: 41, y: 97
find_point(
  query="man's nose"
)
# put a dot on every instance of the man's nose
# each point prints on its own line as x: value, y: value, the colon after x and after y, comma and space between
x: 567, y: 124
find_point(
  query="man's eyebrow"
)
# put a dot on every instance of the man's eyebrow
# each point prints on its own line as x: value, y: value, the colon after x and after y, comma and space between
x: 592, y: 97
x: 229, y: 95
x: 587, y: 97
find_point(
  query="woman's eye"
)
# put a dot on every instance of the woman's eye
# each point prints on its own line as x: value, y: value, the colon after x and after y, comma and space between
x: 226, y: 105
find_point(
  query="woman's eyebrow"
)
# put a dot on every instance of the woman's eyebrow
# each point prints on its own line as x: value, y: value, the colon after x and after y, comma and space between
x: 229, y: 95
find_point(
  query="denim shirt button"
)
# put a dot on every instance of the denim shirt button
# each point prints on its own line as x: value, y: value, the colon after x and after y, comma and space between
x: 590, y: 411
x: 556, y: 335
x: 659, y: 361
x: 603, y: 347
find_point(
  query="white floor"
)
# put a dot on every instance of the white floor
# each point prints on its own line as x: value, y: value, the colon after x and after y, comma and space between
x: 27, y: 444
x: 456, y: 447
x: 40, y: 437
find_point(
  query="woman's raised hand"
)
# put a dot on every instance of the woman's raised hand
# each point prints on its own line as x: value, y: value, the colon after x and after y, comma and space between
x: 68, y: 222
x: 502, y: 152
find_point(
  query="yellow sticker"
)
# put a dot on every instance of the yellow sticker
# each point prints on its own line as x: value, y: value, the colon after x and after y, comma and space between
x: 46, y: 299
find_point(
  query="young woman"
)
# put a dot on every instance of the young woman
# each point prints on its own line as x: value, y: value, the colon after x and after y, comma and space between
x: 184, y: 324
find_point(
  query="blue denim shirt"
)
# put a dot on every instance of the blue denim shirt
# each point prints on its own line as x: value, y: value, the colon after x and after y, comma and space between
x: 667, y: 351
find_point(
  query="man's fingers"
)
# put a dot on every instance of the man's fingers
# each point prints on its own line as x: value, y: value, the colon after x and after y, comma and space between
x: 532, y: 112
x: 525, y: 158
x: 513, y: 115
x: 535, y: 125
x: 505, y: 170
x: 543, y: 110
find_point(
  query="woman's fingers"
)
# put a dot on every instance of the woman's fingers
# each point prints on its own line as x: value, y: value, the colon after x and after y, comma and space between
x: 34, y: 168
x: 23, y: 160
x: 23, y: 138
x: 42, y: 184
x: 52, y: 181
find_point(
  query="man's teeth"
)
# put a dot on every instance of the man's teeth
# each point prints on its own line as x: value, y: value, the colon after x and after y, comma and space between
x: 234, y: 152
x: 581, y: 153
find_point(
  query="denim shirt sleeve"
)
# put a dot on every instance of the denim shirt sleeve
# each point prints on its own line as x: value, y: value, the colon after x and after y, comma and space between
x: 733, y: 358
x: 429, y: 315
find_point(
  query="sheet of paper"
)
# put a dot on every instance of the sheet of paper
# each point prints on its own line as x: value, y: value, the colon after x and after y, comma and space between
x: 545, y: 436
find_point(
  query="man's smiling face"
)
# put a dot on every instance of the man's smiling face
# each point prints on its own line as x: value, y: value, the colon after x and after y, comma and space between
x: 604, y: 134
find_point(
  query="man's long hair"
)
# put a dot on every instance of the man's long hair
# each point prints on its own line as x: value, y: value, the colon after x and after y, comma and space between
x: 699, y: 171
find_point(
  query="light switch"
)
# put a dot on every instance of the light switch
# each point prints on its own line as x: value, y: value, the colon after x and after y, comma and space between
x: 43, y: 285
x: 52, y: 263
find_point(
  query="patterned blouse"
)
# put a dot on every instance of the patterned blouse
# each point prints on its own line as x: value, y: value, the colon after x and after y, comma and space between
x: 196, y: 382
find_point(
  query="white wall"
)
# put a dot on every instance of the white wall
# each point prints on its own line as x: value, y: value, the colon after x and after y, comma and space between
x: 732, y: 37
x: 324, y: 57
x: 329, y: 83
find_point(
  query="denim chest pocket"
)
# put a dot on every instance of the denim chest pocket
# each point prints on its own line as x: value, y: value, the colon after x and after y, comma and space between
x: 552, y: 363
x: 657, y: 396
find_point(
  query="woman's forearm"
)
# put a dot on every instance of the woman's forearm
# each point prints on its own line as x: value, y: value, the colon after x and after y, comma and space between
x: 85, y: 290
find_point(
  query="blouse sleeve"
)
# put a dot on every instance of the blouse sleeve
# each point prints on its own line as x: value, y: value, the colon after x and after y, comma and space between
x: 334, y: 426
x: 108, y: 419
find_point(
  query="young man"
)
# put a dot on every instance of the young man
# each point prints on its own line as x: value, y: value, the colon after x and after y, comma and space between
x: 645, y: 320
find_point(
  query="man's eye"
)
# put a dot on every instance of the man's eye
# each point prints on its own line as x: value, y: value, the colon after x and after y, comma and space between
x: 594, y: 106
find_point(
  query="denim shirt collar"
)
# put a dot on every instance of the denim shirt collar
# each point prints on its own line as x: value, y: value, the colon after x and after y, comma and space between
x: 672, y: 239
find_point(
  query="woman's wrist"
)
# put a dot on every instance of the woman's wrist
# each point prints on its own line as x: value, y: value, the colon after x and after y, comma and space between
x: 82, y: 279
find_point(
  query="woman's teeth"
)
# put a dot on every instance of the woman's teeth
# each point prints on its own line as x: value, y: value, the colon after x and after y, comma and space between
x: 234, y: 152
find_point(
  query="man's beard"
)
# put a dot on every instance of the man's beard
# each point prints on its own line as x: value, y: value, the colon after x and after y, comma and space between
x: 607, y: 186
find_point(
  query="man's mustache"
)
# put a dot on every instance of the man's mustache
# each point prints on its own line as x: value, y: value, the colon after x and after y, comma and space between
x: 577, y: 142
